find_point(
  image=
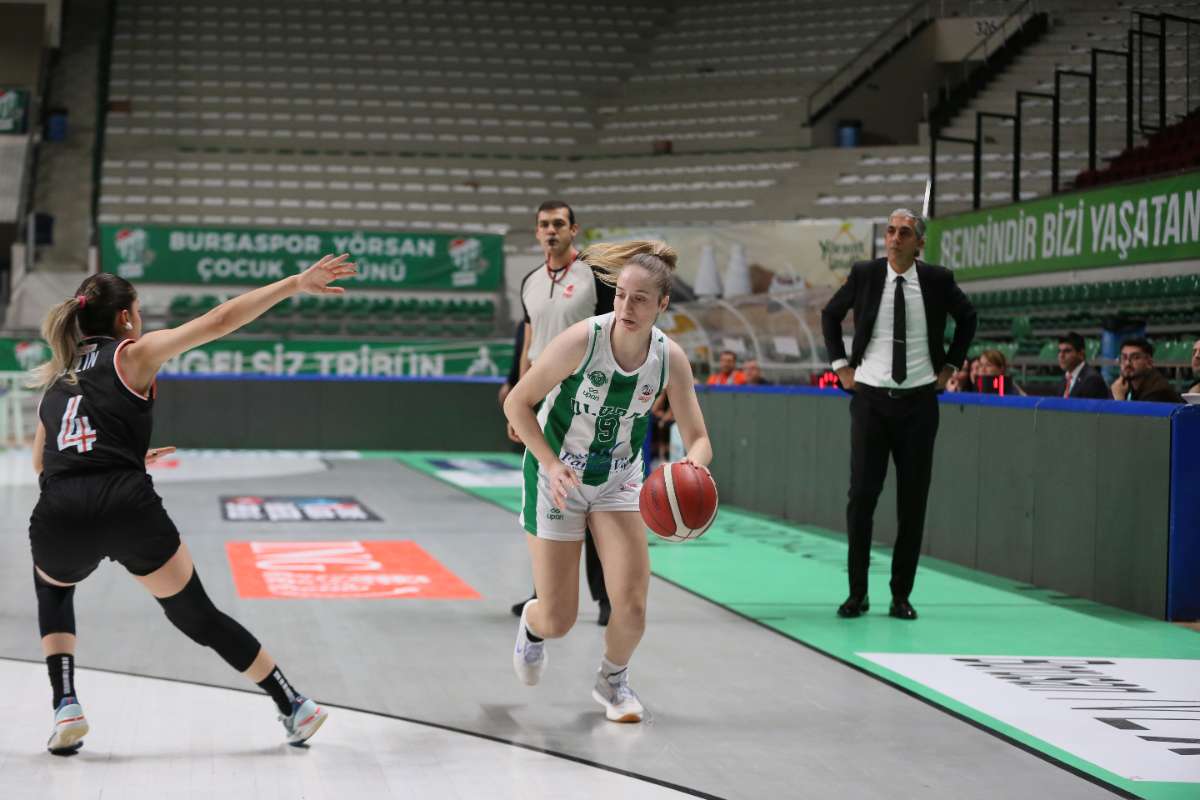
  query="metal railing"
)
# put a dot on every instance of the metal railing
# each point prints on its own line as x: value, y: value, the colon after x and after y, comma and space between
x: 1136, y: 83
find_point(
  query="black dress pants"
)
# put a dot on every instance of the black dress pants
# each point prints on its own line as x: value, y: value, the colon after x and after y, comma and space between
x: 902, y: 425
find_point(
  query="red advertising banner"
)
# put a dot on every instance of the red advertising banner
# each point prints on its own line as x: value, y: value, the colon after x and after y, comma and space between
x: 366, y: 569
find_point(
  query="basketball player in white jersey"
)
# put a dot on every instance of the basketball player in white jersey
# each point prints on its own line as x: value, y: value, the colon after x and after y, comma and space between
x: 583, y: 466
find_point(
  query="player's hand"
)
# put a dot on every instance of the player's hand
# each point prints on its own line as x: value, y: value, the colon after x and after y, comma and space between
x: 846, y: 376
x: 155, y: 453
x: 513, y: 436
x: 562, y: 480
x: 316, y: 279
x: 694, y: 463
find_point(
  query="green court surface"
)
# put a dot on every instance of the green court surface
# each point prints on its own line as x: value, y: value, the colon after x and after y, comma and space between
x: 1111, y: 695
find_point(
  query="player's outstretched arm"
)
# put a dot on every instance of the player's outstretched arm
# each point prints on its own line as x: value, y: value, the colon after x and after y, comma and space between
x: 141, y: 360
x: 681, y: 391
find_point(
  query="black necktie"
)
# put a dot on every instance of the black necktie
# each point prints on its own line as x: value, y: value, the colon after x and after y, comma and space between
x: 899, y: 360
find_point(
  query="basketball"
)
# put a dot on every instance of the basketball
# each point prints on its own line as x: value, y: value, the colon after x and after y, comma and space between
x: 679, y: 501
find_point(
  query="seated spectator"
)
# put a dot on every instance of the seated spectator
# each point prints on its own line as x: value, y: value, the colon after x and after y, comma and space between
x: 993, y: 375
x: 1195, y: 367
x: 754, y: 376
x: 1080, y: 379
x: 727, y: 371
x: 1139, y: 380
x: 961, y: 381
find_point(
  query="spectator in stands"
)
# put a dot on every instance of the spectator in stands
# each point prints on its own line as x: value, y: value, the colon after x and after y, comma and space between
x: 753, y: 372
x: 559, y: 292
x: 1080, y: 379
x: 1195, y: 367
x: 1139, y: 380
x: 993, y: 375
x: 727, y: 371
x: 961, y: 380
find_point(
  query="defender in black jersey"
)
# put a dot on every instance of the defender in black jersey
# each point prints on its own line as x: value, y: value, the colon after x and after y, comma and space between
x: 91, y: 450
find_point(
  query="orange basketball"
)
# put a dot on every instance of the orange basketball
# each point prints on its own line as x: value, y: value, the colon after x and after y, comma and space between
x: 678, y: 501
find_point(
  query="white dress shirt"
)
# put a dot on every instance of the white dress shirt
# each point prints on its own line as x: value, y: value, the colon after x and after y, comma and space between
x: 1073, y: 376
x: 876, y: 367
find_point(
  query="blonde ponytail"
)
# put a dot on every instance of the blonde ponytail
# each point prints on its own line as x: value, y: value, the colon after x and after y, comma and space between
x: 92, y: 311
x: 60, y: 329
x: 657, y: 258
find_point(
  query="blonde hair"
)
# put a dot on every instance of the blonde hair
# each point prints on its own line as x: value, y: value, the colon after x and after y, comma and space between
x: 91, y: 312
x: 657, y: 258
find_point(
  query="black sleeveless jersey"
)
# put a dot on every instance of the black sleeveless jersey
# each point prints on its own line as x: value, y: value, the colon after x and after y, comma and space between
x: 100, y: 423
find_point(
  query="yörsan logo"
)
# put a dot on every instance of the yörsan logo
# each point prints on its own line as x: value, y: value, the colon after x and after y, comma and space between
x: 467, y: 256
x: 597, y: 378
x: 554, y: 513
x: 30, y: 354
x: 591, y: 394
x: 131, y: 246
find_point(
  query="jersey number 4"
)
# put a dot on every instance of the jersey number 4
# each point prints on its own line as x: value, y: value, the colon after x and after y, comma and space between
x: 75, y: 431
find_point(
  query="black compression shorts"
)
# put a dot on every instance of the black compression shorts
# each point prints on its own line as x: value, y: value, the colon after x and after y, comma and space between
x: 81, y: 519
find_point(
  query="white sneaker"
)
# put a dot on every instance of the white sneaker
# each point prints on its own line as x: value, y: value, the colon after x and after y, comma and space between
x: 620, y: 703
x: 69, y: 727
x: 529, y: 658
x: 305, y: 719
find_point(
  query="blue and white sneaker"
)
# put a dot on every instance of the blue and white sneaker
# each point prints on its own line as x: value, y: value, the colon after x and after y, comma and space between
x: 306, y: 718
x: 529, y: 658
x: 69, y: 727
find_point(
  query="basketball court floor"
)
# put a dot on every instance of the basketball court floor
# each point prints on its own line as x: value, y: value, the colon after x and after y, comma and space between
x: 381, y: 582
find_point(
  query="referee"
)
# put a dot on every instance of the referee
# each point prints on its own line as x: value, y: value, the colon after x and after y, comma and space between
x: 561, y: 291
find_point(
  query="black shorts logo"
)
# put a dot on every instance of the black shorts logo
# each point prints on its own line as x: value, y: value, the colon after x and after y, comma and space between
x: 251, y: 508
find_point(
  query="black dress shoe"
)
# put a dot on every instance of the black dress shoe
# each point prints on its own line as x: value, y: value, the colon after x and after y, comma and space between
x: 854, y: 607
x: 902, y: 609
x: 605, y: 613
x: 519, y: 607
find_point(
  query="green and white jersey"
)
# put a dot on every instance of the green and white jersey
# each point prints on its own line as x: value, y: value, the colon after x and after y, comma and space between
x: 596, y: 420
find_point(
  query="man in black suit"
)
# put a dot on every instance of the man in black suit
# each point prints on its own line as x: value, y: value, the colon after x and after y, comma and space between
x: 897, y: 365
x: 1080, y: 379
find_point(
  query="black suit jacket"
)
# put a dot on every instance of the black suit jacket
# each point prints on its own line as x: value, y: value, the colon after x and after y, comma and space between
x: 863, y: 291
x: 1090, y: 384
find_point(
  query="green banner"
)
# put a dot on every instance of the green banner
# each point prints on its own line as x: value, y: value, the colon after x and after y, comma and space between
x: 14, y: 105
x: 346, y: 358
x: 1128, y: 224
x: 228, y: 256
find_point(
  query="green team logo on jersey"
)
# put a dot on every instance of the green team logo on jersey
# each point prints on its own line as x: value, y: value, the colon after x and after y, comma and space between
x: 597, y: 378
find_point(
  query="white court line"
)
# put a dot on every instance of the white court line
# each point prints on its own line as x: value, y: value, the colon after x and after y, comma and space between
x: 153, y: 738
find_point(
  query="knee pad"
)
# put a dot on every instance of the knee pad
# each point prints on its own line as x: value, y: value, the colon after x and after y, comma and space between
x: 56, y: 606
x: 192, y: 612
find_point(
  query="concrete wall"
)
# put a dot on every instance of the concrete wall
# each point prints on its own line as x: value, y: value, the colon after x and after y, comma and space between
x: 22, y: 36
x: 890, y: 102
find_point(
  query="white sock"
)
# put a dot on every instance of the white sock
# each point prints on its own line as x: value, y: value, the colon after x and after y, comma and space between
x: 610, y: 670
x: 528, y: 629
